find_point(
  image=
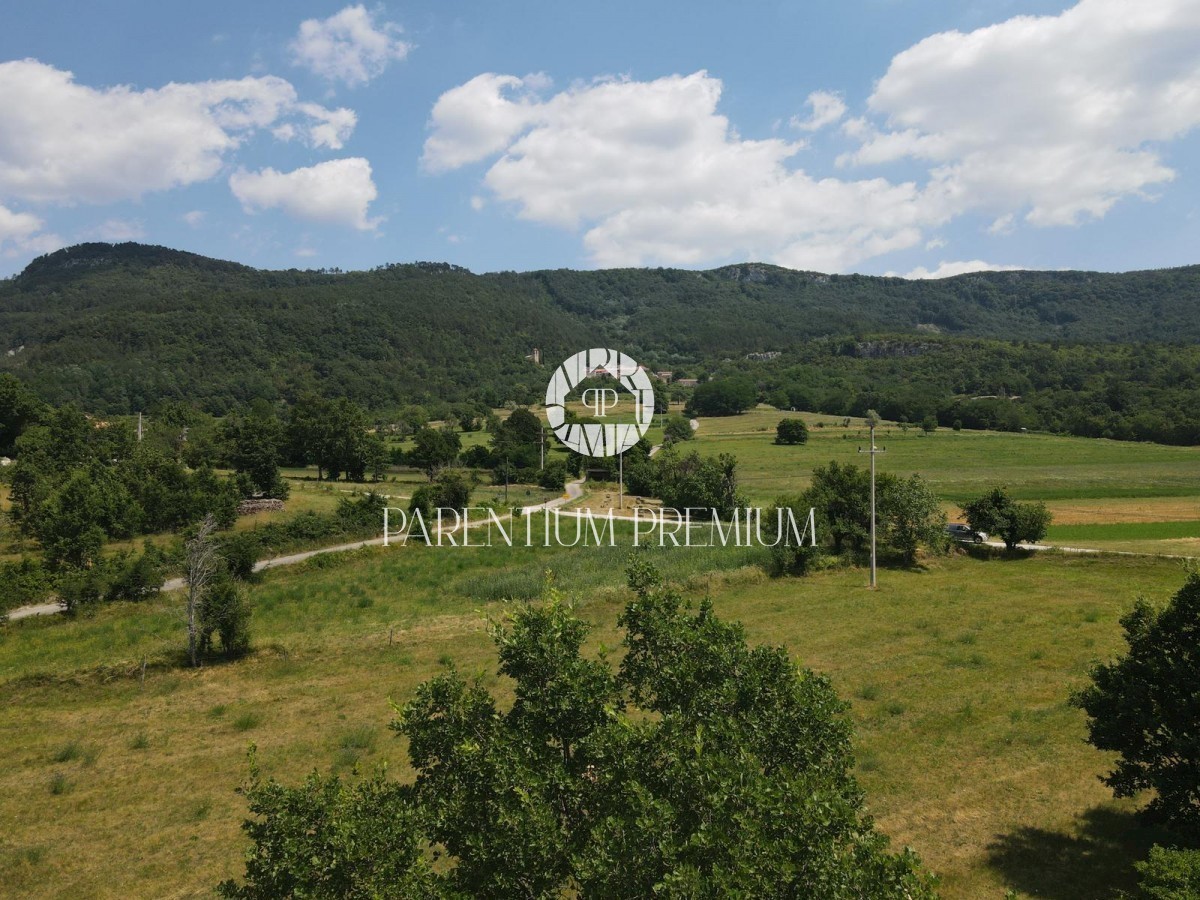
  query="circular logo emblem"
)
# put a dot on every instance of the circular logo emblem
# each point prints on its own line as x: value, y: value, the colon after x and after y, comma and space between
x: 598, y: 438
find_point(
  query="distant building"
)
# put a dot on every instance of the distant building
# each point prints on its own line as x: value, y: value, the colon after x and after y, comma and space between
x: 535, y: 356
x: 664, y: 376
x: 688, y: 382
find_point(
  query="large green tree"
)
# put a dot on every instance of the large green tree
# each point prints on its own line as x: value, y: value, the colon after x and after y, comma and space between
x: 997, y: 513
x: 1145, y: 706
x: 701, y: 768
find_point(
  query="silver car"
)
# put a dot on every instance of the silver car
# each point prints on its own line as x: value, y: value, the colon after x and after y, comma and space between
x: 960, y: 531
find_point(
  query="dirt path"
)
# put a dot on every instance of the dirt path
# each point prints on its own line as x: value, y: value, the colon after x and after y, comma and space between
x: 574, y: 490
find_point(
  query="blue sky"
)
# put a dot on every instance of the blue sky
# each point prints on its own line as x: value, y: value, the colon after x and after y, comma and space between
x: 878, y: 136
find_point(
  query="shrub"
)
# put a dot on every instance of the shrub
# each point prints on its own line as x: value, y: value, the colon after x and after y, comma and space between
x: 678, y: 428
x: 554, y: 476
x: 791, y: 431
x: 225, y: 612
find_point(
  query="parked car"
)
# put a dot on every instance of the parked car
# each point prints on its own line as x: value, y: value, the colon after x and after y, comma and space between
x: 960, y: 531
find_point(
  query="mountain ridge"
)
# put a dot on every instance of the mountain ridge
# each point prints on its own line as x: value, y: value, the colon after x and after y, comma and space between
x: 117, y: 326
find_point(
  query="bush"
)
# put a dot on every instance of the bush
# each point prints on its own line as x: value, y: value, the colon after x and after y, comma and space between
x: 678, y: 428
x: 136, y: 578
x: 449, y: 490
x: 791, y: 431
x: 554, y: 476
x: 240, y: 552
x: 225, y: 612
x: 24, y: 581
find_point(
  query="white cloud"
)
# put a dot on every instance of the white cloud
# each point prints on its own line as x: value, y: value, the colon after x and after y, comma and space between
x: 827, y: 108
x: 1048, y: 120
x: 337, y: 192
x: 194, y: 217
x: 349, y: 46
x: 21, y: 234
x: 1055, y: 117
x: 653, y: 173
x: 950, y: 269
x: 478, y: 119
x: 63, y: 142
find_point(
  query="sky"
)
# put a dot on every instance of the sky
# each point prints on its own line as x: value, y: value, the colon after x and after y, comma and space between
x: 921, y: 138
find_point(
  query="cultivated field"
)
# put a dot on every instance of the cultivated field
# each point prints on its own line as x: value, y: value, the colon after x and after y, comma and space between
x: 1083, y: 481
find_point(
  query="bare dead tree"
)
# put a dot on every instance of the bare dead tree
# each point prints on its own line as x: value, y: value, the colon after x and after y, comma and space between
x: 201, y: 564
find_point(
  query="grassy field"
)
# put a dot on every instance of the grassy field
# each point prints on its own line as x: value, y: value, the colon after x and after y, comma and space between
x: 966, y: 746
x: 958, y: 671
x: 1083, y: 481
x: 957, y: 464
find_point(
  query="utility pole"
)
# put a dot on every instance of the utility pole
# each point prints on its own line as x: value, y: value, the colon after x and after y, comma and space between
x: 139, y: 428
x: 506, y: 480
x: 542, y: 445
x: 621, y: 470
x: 872, y: 421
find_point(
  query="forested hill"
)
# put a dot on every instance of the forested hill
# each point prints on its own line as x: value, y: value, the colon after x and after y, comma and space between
x: 117, y: 327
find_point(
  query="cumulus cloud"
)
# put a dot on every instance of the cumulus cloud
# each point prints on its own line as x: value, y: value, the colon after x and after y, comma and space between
x: 1045, y: 120
x: 1056, y: 117
x: 22, y: 233
x: 336, y: 192
x: 950, y: 269
x: 826, y: 108
x: 653, y: 173
x: 349, y: 46
x: 478, y: 119
x: 63, y: 142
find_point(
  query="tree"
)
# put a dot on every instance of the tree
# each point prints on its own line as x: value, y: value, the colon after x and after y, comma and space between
x: 19, y: 408
x: 201, y: 565
x: 554, y: 476
x: 723, y: 397
x: 449, y: 490
x: 692, y: 481
x: 678, y: 428
x: 433, y: 450
x: 911, y: 515
x: 791, y: 431
x: 702, y: 767
x: 518, y: 439
x: 1145, y: 706
x: 255, y: 445
x: 841, y: 495
x: 996, y: 513
x: 328, y: 840
x: 929, y: 424
x: 225, y: 612
x: 1169, y: 874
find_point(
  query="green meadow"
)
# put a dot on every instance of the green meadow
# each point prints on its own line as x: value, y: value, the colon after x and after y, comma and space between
x: 957, y: 464
x: 957, y: 671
